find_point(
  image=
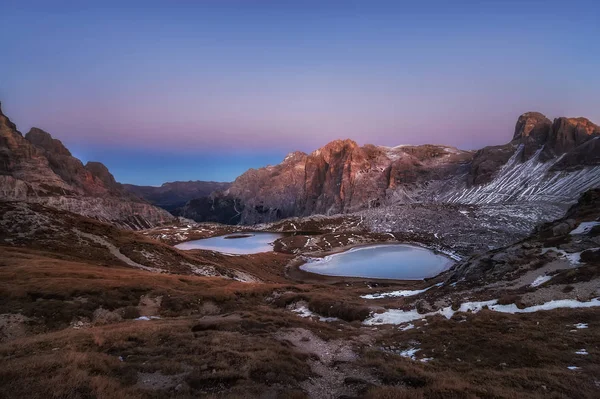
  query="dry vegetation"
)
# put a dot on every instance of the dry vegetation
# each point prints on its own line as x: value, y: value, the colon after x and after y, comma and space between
x: 222, y: 338
x: 70, y: 328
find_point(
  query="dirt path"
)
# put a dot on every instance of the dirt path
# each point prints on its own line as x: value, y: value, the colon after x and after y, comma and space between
x: 336, y: 375
x: 114, y: 251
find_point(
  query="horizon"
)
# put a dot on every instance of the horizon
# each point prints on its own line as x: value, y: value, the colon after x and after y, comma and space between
x: 205, y: 91
x: 159, y: 184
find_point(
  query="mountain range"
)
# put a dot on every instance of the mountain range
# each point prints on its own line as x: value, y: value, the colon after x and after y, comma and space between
x: 111, y: 312
x: 546, y: 162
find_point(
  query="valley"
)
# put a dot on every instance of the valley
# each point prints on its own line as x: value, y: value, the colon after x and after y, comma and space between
x: 299, y: 199
x: 371, y: 272
x: 199, y: 322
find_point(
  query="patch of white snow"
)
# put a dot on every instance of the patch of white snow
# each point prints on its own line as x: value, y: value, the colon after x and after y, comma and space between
x: 398, y: 316
x: 540, y: 280
x: 401, y: 293
x: 410, y: 353
x: 584, y: 228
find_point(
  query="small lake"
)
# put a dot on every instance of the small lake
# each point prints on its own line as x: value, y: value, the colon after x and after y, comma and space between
x: 388, y: 261
x: 237, y: 243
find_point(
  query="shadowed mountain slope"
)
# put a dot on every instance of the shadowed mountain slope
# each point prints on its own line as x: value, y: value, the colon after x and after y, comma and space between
x: 38, y: 168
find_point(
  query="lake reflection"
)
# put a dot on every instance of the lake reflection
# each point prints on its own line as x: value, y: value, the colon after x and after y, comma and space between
x: 256, y: 242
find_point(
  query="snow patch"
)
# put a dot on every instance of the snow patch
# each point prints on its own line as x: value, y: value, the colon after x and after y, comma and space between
x: 574, y: 258
x: 398, y: 316
x: 582, y: 352
x: 584, y: 228
x: 540, y: 280
x: 410, y: 353
x: 303, y: 311
x: 401, y: 293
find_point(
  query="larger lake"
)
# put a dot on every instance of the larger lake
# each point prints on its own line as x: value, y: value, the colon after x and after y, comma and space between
x: 388, y: 261
x: 236, y: 244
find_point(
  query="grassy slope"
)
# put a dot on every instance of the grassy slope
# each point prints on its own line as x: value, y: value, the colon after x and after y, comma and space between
x: 217, y: 337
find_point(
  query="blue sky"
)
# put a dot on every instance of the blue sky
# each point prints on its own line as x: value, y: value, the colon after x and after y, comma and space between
x: 179, y: 90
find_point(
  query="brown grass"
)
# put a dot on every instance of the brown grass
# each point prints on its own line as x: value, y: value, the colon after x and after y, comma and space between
x: 491, y: 355
x: 85, y: 363
x: 60, y: 291
x: 221, y: 338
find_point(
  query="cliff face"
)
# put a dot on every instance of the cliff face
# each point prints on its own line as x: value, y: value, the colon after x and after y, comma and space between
x: 545, y: 161
x: 344, y: 177
x: 38, y: 168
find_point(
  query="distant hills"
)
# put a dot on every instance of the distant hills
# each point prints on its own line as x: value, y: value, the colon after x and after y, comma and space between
x: 173, y: 195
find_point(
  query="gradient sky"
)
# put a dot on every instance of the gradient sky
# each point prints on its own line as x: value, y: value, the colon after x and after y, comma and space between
x: 180, y: 90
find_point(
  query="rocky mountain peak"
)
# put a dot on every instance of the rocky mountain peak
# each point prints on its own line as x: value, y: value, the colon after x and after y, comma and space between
x: 534, y: 131
x: 6, y: 125
x: 295, y: 156
x: 43, y: 139
x: 40, y: 169
x: 569, y: 133
x: 99, y: 170
x: 532, y: 127
x: 337, y: 146
x: 585, y: 124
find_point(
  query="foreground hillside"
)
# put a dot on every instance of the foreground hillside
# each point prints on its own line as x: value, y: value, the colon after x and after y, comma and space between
x: 78, y: 320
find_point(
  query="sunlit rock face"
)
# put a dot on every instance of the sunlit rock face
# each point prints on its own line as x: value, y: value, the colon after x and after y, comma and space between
x: 545, y: 161
x: 38, y: 168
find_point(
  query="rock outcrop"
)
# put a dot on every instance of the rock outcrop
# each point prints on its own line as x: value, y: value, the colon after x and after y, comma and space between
x: 569, y: 241
x: 40, y: 169
x: 344, y: 177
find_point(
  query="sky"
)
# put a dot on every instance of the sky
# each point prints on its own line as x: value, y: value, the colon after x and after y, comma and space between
x: 203, y: 90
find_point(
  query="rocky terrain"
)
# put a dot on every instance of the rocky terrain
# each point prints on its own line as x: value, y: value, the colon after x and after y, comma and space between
x: 176, y: 194
x: 97, y: 302
x: 37, y: 168
x: 546, y: 162
x: 112, y: 313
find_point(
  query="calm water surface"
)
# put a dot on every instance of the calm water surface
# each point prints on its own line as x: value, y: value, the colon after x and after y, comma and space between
x: 393, y: 261
x: 257, y: 242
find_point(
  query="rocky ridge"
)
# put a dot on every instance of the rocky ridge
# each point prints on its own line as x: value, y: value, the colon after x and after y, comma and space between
x: 547, y: 162
x: 37, y: 168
